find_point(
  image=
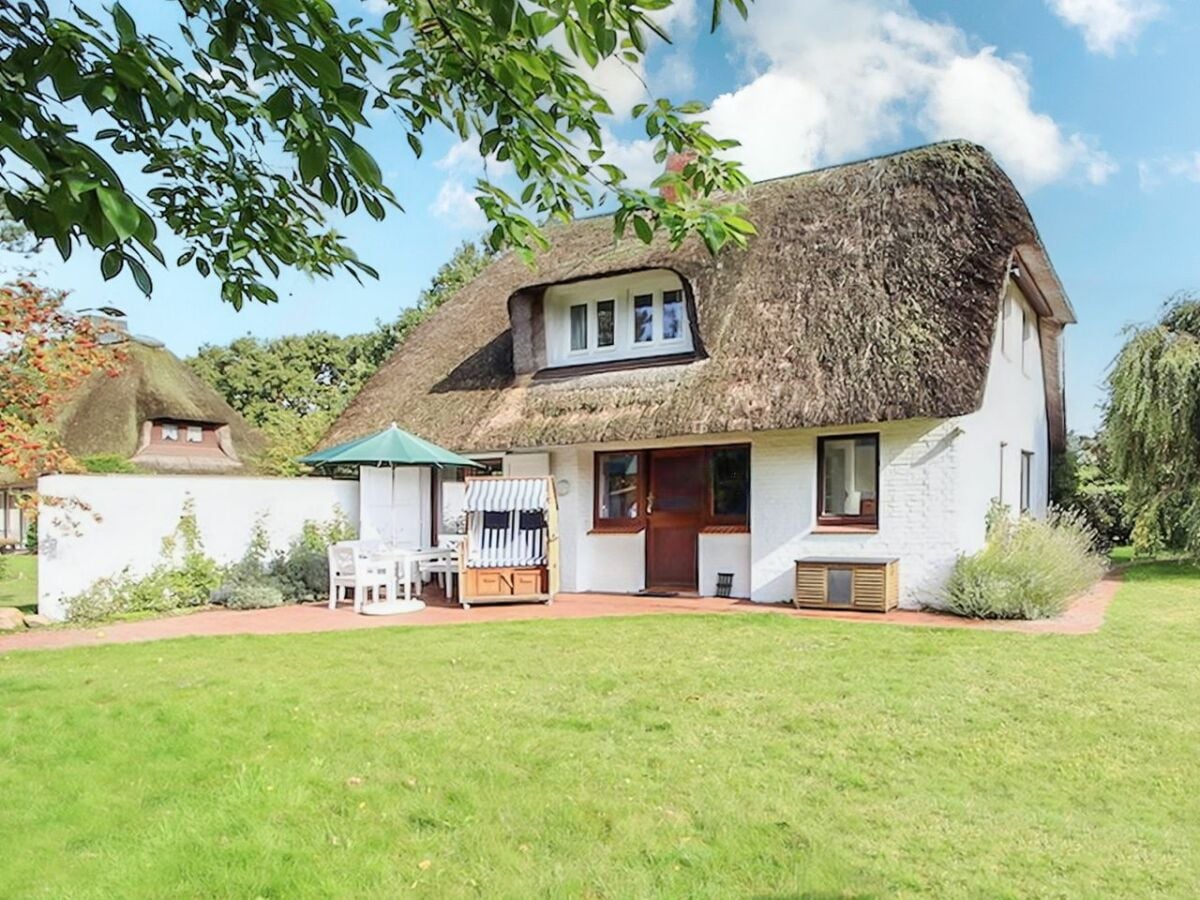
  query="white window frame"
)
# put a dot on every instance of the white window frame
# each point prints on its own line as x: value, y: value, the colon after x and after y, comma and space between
x: 1028, y: 333
x: 195, y: 434
x: 622, y: 289
x: 170, y: 431
x: 1006, y: 314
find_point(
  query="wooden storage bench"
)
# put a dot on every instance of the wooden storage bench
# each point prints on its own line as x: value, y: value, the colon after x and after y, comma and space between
x: 871, y: 585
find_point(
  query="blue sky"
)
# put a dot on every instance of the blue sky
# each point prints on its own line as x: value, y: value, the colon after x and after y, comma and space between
x: 1088, y: 104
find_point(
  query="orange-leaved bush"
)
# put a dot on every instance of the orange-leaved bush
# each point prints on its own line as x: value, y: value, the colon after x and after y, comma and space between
x: 46, y: 353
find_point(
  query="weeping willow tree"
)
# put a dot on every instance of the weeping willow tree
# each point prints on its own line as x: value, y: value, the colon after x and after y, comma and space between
x: 1153, y: 428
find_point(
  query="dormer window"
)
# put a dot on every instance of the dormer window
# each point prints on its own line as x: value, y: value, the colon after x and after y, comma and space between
x: 607, y: 320
x: 170, y: 431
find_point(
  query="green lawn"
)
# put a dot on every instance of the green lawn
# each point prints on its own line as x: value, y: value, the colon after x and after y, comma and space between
x: 665, y: 756
x: 18, y: 581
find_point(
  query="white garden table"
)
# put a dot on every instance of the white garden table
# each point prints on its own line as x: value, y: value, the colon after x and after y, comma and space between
x: 406, y: 561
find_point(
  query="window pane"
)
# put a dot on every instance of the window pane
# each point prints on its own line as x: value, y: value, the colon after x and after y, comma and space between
x: 1026, y: 480
x: 170, y: 432
x: 195, y: 434
x: 579, y: 340
x: 850, y: 467
x: 617, y: 491
x: 643, y: 318
x: 605, y: 321
x: 731, y: 481
x: 672, y: 314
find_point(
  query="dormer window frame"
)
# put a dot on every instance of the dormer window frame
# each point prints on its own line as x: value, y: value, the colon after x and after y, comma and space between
x: 662, y: 286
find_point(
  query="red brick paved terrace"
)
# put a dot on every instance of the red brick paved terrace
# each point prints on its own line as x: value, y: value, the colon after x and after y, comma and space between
x: 1085, y: 616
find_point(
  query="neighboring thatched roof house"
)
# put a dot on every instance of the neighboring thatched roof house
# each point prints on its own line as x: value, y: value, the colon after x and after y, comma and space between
x: 157, y: 414
x: 869, y: 295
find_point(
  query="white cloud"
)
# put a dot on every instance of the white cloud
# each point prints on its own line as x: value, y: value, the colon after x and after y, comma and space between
x: 675, y: 74
x: 987, y: 99
x: 635, y: 158
x: 680, y: 16
x: 455, y: 205
x: 377, y: 6
x: 464, y: 157
x: 835, y: 79
x: 1107, y: 24
x: 1185, y: 166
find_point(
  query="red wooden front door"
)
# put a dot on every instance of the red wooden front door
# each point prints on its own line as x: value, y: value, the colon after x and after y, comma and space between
x: 675, y: 509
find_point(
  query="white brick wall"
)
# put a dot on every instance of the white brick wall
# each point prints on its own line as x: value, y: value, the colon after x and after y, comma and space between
x: 918, y: 516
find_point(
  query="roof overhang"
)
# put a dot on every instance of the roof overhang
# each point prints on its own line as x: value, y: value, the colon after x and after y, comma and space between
x: 1034, y: 274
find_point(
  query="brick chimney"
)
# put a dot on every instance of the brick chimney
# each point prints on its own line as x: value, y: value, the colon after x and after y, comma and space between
x: 677, y: 162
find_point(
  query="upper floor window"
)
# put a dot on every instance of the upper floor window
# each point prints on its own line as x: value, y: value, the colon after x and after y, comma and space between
x: 1006, y: 317
x: 1028, y: 344
x: 170, y: 431
x: 195, y: 434
x: 634, y: 316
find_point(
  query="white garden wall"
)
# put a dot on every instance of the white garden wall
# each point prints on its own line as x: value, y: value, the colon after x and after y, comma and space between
x: 135, y: 512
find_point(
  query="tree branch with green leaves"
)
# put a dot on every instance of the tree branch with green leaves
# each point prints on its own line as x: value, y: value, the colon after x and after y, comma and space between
x: 250, y: 128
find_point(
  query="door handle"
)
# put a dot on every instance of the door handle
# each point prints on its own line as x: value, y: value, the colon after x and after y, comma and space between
x: 649, y: 504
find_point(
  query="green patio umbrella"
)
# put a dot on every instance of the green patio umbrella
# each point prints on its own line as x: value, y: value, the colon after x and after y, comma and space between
x: 391, y: 447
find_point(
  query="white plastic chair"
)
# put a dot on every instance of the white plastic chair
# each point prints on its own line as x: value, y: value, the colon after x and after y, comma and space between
x: 446, y: 571
x: 351, y: 566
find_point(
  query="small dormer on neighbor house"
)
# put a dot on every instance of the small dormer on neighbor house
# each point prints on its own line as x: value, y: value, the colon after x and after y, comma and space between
x: 826, y: 416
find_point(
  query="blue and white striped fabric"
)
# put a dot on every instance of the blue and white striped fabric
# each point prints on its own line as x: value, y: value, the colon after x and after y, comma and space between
x: 499, y: 540
x: 505, y: 494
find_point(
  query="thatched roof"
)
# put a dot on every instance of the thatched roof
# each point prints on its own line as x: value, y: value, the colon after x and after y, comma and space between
x: 870, y: 294
x: 108, y: 415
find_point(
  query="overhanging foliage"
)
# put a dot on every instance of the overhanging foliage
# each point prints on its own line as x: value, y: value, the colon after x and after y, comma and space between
x: 250, y: 125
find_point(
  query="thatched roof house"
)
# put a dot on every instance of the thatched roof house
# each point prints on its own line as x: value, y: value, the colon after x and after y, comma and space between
x: 125, y: 415
x: 157, y: 414
x: 869, y: 295
x: 826, y: 416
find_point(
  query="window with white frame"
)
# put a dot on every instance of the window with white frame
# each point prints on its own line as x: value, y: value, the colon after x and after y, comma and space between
x: 1006, y: 317
x: 170, y: 431
x: 1028, y: 344
x: 1026, y: 480
x: 635, y: 316
x: 195, y: 434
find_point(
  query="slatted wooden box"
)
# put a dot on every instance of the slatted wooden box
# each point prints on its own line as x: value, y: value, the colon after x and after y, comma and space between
x: 869, y: 585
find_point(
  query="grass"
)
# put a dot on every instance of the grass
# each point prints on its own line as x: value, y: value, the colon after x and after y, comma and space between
x: 658, y: 756
x: 18, y: 582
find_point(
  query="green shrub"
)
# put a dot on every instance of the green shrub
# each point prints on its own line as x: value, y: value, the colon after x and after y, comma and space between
x: 105, y: 599
x: 302, y: 571
x: 31, y: 537
x: 253, y: 595
x: 299, y: 573
x: 108, y: 464
x: 1030, y: 568
x: 184, y: 577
